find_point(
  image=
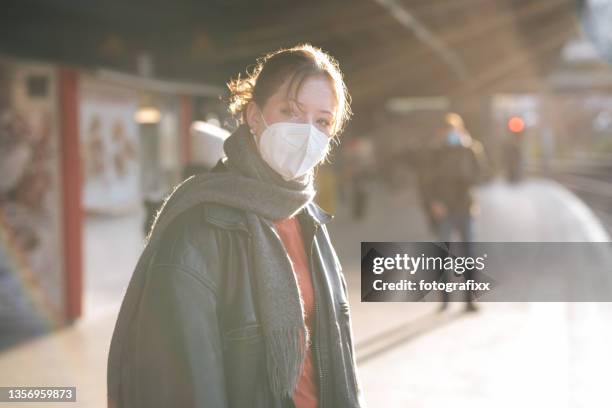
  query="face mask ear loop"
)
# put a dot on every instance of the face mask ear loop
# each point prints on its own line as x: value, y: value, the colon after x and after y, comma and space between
x: 262, y: 117
x: 265, y: 123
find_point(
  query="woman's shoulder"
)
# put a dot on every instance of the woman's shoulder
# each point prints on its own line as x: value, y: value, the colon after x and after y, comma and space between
x: 201, y: 223
x: 221, y: 215
x: 195, y: 244
x: 224, y: 216
x: 197, y: 238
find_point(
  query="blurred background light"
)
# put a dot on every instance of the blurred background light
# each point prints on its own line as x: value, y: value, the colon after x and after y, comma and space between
x: 516, y: 124
x: 147, y: 115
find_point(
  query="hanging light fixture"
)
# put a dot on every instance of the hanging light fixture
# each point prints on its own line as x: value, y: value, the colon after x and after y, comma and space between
x: 147, y: 113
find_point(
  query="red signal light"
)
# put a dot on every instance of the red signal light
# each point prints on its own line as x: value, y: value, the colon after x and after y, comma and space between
x: 516, y: 124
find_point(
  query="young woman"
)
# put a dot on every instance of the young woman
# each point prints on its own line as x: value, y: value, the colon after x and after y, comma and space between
x: 238, y: 299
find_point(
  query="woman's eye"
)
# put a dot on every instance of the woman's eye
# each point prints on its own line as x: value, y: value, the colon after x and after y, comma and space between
x: 324, y: 122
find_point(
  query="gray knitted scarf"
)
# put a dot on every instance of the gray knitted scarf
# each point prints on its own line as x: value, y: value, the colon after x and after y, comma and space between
x: 251, y: 185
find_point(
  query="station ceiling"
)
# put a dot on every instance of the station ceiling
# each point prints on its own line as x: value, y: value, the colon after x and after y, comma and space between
x: 386, y: 48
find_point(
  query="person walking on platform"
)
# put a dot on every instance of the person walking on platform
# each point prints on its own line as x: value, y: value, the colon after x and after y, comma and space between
x: 450, y: 169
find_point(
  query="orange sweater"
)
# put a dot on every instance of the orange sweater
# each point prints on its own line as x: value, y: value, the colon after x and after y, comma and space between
x: 306, y: 393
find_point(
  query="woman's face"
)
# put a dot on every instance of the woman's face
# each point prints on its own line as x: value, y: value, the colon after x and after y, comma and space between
x: 315, y: 103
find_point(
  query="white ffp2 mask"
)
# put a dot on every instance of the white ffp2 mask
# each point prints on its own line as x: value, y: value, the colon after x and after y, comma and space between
x: 292, y: 149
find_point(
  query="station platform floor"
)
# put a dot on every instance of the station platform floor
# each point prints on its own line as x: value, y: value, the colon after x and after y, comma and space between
x: 409, y: 354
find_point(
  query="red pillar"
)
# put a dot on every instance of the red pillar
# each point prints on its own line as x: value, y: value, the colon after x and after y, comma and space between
x: 185, y: 119
x: 71, y: 195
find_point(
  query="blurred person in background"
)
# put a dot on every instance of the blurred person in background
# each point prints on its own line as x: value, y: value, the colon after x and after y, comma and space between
x: 359, y: 169
x: 238, y: 299
x: 450, y: 169
x: 207, y: 142
x: 153, y: 201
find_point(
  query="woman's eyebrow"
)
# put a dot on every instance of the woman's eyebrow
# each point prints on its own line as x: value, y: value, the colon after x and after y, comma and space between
x: 300, y: 107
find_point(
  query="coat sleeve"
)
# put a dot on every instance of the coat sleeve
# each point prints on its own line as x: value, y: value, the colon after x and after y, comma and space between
x: 176, y: 348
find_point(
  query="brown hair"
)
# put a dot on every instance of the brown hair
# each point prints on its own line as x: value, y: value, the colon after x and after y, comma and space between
x: 296, y: 63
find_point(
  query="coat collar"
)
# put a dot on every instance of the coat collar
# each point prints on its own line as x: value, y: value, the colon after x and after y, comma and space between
x: 317, y: 213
